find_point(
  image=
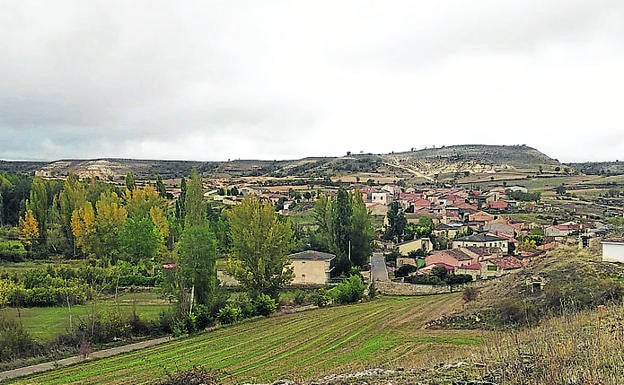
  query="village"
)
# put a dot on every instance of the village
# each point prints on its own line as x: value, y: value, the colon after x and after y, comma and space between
x: 475, y: 232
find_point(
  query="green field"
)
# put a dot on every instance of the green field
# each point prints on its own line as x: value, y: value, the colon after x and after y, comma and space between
x: 45, y: 323
x: 387, y: 332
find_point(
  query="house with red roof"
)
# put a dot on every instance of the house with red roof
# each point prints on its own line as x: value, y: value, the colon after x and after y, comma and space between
x: 473, y: 270
x: 558, y: 232
x: 453, y: 257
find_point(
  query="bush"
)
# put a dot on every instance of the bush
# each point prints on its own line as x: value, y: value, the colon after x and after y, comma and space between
x: 470, y: 294
x: 203, y: 316
x: 458, y: 279
x: 230, y: 314
x: 372, y: 290
x: 15, y: 342
x: 349, y: 291
x: 265, y: 305
x: 300, y: 297
x: 248, y: 309
x: 518, y: 312
x: 106, y: 327
x: 12, y: 251
x: 321, y: 298
x: 424, y: 280
x: 405, y: 270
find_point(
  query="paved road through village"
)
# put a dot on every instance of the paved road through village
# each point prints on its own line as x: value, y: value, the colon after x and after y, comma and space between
x: 378, y: 267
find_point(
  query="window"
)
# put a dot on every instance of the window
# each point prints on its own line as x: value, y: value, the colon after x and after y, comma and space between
x: 492, y: 268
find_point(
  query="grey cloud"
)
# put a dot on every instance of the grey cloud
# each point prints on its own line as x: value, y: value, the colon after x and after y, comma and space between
x: 276, y: 78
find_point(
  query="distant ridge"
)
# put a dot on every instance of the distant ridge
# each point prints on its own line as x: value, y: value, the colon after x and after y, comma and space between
x: 425, y: 163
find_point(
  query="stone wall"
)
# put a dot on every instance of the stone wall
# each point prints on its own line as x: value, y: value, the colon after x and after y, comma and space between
x: 397, y: 288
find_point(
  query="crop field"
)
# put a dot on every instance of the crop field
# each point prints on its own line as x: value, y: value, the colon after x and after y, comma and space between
x: 44, y: 323
x: 387, y: 332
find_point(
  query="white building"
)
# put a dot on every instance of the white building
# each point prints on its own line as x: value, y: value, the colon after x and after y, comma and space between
x: 613, y: 250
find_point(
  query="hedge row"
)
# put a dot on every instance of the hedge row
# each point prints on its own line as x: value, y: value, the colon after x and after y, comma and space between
x: 49, y: 296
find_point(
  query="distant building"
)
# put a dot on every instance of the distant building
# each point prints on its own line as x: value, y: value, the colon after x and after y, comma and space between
x: 311, y: 267
x: 613, y: 250
x: 483, y: 240
x: 423, y: 244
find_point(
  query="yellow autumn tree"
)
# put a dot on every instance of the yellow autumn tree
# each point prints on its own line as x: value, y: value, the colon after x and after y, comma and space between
x: 141, y: 200
x: 29, y: 230
x: 83, y: 227
x: 158, y: 217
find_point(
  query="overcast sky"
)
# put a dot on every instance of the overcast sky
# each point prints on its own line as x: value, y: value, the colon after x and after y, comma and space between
x: 218, y: 80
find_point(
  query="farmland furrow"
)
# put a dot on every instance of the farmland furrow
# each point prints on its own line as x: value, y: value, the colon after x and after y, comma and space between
x: 302, y: 345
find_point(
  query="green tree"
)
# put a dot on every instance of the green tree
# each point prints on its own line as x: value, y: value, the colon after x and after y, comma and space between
x: 396, y: 223
x: 160, y: 187
x: 180, y: 202
x: 362, y: 231
x: 197, y: 249
x: 425, y: 227
x: 141, y: 241
x: 323, y: 217
x: 109, y: 222
x: 130, y: 182
x: 194, y: 201
x: 261, y: 243
x: 440, y: 272
x: 342, y: 230
x: 197, y: 256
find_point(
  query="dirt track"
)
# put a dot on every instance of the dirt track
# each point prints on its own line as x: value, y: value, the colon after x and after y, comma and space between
x: 20, y: 372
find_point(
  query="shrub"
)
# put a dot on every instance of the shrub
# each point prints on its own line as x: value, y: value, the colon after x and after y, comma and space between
x: 321, y: 298
x: 12, y: 251
x: 229, y: 314
x: 372, y: 290
x: 518, y: 312
x: 470, y: 294
x: 248, y: 309
x: 203, y: 316
x: 265, y: 305
x: 15, y: 341
x: 106, y: 327
x: 458, y: 279
x: 300, y: 297
x: 349, y: 291
x: 424, y: 280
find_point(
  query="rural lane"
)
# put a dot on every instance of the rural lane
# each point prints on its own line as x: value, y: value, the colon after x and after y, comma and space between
x: 19, y: 372
x: 378, y: 267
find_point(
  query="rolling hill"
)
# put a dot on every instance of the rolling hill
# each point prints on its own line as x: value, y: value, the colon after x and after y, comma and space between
x: 427, y: 164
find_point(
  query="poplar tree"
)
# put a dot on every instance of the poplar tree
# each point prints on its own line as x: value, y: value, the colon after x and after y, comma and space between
x: 362, y: 231
x: 342, y: 230
x: 71, y: 197
x: 197, y: 248
x: 38, y: 204
x: 29, y: 231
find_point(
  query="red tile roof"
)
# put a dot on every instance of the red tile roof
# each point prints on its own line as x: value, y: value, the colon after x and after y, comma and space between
x: 472, y: 266
x: 498, y: 205
x: 507, y: 263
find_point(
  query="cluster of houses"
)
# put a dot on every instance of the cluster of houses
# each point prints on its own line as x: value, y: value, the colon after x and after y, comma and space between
x: 481, y: 240
x: 492, y: 248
